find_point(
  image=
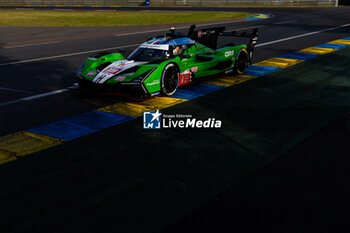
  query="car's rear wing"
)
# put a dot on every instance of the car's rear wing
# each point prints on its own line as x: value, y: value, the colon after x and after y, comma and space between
x: 209, y: 36
x: 253, y: 35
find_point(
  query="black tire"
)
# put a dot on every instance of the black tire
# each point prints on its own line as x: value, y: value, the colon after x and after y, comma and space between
x: 170, y: 80
x: 241, y: 62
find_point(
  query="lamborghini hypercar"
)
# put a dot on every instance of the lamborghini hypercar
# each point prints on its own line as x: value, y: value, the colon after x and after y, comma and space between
x: 162, y: 64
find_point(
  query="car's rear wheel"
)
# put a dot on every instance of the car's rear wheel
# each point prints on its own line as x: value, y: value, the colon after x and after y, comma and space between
x: 241, y: 62
x: 170, y: 79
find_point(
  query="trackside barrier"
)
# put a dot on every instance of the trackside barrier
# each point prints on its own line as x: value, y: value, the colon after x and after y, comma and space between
x: 115, y: 3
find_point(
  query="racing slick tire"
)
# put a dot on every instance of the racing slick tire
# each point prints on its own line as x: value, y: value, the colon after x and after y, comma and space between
x: 170, y: 80
x: 241, y: 62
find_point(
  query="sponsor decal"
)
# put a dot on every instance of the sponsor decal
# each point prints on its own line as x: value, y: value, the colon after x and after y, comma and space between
x: 92, y: 73
x: 253, y: 40
x: 152, y: 120
x: 207, y: 32
x: 115, y: 68
x: 194, y: 69
x: 120, y: 78
x: 229, y: 53
x: 155, y: 93
x: 199, y: 34
x: 112, y: 70
x: 154, y: 82
x: 185, y: 78
x: 157, y: 120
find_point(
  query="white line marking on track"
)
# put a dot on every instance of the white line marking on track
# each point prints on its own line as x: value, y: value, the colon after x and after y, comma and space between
x: 19, y: 46
x: 14, y: 90
x: 44, y: 94
x: 66, y: 55
x: 133, y: 45
x: 301, y: 35
x: 264, y: 25
x: 142, y: 32
x: 131, y: 33
x: 28, y: 98
x: 284, y: 22
x: 183, y: 27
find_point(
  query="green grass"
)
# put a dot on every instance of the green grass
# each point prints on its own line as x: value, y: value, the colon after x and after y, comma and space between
x: 90, y: 18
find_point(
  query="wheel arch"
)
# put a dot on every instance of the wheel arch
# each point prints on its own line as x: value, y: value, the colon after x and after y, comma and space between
x: 236, y: 69
x: 163, y: 73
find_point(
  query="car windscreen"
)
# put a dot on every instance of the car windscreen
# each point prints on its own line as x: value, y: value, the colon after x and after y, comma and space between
x: 147, y: 54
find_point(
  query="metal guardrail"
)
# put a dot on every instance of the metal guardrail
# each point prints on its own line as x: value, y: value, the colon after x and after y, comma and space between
x: 171, y: 2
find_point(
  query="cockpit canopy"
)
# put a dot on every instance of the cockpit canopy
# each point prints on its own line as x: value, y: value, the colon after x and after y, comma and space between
x: 161, y: 48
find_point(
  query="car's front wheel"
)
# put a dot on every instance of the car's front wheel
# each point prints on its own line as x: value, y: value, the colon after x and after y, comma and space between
x: 170, y: 79
x: 241, y: 62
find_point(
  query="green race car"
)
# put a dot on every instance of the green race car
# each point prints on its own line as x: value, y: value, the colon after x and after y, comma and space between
x: 162, y: 64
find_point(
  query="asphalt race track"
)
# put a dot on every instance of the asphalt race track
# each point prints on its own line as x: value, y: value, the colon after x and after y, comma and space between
x: 36, y: 73
x: 47, y: 75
